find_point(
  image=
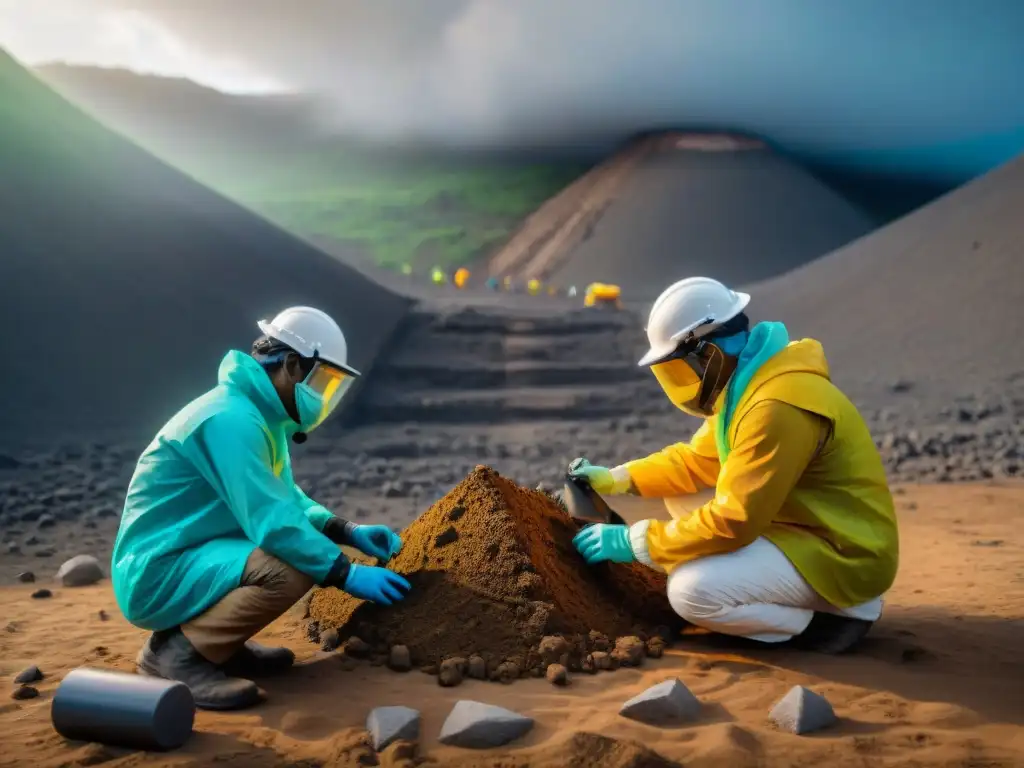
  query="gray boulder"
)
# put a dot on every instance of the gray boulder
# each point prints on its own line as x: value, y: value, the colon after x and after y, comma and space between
x: 802, y: 711
x: 477, y: 725
x: 80, y: 571
x: 666, y: 703
x: 390, y: 724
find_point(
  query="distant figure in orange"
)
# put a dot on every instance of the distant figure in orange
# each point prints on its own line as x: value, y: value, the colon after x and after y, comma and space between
x: 461, y: 277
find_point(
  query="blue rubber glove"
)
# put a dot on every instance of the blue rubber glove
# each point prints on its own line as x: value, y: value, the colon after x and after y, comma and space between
x: 379, y: 585
x: 601, y: 542
x: 598, y: 478
x: 375, y: 540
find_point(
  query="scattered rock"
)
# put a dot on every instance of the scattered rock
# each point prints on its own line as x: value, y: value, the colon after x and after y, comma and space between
x: 601, y: 660
x: 666, y: 703
x: 26, y: 577
x: 357, y: 648
x: 30, y: 675
x: 80, y: 571
x: 802, y: 711
x: 103, y: 615
x: 557, y: 674
x: 629, y: 651
x: 552, y: 649
x: 988, y: 543
x: 24, y: 692
x: 429, y: 669
x: 390, y: 724
x: 47, y: 521
x: 330, y: 640
x: 399, y: 659
x: 588, y: 664
x: 506, y: 672
x: 39, y: 594
x: 598, y: 641
x: 450, y: 673
x: 476, y: 725
x: 477, y: 668
x: 655, y: 647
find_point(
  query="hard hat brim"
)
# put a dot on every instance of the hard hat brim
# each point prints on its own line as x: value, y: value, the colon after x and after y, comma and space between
x: 659, y: 354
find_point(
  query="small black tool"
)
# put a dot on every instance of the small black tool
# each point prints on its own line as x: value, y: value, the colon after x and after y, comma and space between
x: 586, y: 506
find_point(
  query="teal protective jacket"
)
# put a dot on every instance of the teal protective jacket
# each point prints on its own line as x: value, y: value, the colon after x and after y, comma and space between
x: 215, y: 484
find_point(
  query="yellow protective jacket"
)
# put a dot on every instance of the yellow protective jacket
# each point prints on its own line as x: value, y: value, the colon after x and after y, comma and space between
x: 802, y: 471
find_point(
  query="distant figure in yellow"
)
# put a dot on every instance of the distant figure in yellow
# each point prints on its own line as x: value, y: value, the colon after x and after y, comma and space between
x: 461, y: 277
x: 800, y: 541
x: 533, y: 286
x: 438, y: 277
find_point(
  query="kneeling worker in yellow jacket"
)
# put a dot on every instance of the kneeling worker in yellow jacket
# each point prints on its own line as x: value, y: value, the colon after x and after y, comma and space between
x: 800, y: 540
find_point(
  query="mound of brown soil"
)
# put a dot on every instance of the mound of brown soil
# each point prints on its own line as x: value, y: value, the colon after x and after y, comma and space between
x: 493, y: 570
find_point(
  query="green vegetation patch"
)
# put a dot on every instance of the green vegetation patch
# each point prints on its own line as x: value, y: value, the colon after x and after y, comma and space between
x: 426, y: 212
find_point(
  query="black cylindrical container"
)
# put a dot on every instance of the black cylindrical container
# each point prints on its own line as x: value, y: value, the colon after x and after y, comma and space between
x: 124, y: 710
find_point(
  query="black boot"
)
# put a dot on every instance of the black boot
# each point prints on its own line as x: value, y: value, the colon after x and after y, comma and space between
x: 170, y: 655
x: 831, y: 634
x: 255, y: 660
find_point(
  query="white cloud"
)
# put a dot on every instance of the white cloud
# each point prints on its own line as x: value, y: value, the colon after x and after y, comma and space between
x: 68, y: 31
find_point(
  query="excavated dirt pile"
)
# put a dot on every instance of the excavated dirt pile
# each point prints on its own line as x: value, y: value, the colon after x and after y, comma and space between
x: 493, y: 574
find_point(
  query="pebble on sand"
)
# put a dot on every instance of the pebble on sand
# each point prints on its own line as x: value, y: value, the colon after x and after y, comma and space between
x: 399, y: 659
x: 357, y: 647
x: 629, y: 651
x: 80, y: 571
x: 24, y: 692
x: 26, y: 577
x: 666, y: 703
x: 390, y: 724
x: 802, y: 711
x: 557, y: 674
x: 39, y: 594
x: 29, y: 675
x: 477, y: 668
x: 476, y: 725
x: 449, y: 674
x: 329, y: 640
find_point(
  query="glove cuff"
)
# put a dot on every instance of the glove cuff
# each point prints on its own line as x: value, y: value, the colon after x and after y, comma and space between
x: 621, y: 480
x: 339, y: 530
x: 338, y: 575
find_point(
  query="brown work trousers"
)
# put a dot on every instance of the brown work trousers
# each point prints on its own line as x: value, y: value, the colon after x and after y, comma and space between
x: 269, y: 588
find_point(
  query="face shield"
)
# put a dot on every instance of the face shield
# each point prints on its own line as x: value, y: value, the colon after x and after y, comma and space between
x: 322, y: 390
x: 693, y: 377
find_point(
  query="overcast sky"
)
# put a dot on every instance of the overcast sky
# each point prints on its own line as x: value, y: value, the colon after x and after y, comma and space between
x: 855, y: 78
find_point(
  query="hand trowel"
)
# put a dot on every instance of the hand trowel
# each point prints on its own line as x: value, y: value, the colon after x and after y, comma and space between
x: 586, y: 506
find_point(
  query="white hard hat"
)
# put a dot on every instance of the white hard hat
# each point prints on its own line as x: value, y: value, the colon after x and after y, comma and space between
x: 688, y: 310
x: 311, y: 333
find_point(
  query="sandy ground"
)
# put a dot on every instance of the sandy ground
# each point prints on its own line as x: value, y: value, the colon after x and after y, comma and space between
x: 938, y: 683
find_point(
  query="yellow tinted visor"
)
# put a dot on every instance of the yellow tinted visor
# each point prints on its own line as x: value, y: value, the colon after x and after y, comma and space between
x: 330, y: 384
x: 680, y: 382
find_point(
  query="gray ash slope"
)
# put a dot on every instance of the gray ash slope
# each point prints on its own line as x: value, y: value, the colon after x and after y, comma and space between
x: 935, y: 298
x: 124, y: 281
x: 677, y: 204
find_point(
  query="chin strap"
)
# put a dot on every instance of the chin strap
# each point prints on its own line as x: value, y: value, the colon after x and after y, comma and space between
x: 299, y: 438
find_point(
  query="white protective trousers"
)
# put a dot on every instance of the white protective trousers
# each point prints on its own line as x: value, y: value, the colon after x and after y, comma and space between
x: 754, y: 592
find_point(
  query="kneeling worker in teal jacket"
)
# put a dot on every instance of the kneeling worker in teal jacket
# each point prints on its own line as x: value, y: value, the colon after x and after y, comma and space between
x: 217, y: 541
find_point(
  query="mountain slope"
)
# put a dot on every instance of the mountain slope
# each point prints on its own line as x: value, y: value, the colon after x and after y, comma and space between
x: 123, y: 282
